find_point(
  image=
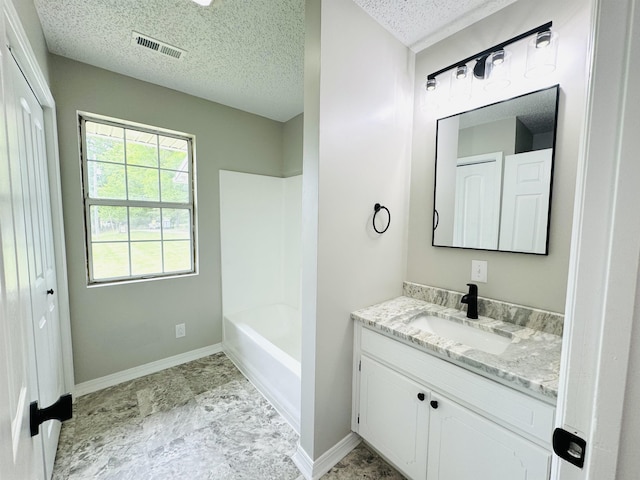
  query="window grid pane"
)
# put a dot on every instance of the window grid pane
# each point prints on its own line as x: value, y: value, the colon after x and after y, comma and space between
x: 142, y: 148
x: 176, y: 258
x: 115, y: 260
x: 106, y: 180
x: 105, y: 143
x: 173, y: 154
x: 146, y: 258
x: 143, y: 183
x: 133, y: 188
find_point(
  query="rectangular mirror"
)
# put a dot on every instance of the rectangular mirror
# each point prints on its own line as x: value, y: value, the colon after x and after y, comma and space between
x: 494, y: 169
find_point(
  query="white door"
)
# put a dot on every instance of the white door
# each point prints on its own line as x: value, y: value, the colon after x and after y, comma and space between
x: 477, y: 205
x: 20, y: 454
x: 525, y: 201
x: 464, y: 446
x: 33, y: 357
x: 31, y: 143
x: 394, y: 417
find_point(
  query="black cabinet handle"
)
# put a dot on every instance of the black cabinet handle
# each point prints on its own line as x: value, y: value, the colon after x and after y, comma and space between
x: 50, y: 291
x: 434, y: 403
x: 421, y: 397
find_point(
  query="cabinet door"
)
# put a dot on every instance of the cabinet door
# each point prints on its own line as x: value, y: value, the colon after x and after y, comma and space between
x: 464, y: 445
x: 394, y: 417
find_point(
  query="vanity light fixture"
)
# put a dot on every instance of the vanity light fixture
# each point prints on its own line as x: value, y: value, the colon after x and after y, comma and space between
x: 204, y: 3
x: 498, y: 56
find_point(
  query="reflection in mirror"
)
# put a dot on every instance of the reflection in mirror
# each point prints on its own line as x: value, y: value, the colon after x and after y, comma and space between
x: 494, y: 169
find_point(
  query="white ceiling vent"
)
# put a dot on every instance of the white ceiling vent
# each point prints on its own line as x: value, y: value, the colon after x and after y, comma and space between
x: 153, y: 44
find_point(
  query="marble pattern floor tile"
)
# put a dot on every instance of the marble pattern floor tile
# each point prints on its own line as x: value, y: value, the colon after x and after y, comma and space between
x: 205, y: 374
x: 171, y: 391
x: 362, y: 463
x: 198, y: 421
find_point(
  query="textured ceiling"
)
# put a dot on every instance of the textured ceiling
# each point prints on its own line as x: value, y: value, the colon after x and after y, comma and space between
x: 421, y: 23
x: 248, y: 54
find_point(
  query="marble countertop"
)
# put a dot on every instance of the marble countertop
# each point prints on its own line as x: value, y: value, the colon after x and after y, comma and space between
x: 531, y: 363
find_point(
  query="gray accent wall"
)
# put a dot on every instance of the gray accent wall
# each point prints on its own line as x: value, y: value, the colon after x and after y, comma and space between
x: 120, y: 326
x: 532, y: 280
x: 292, y: 146
x: 490, y: 137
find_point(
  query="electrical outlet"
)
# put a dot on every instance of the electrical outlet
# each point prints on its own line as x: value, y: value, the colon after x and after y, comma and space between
x: 479, y: 271
x: 181, y: 330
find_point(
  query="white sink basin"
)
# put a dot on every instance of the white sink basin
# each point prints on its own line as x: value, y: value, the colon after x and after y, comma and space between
x: 473, y: 337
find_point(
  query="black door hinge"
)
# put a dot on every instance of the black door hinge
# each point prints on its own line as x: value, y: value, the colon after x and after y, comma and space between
x: 360, y: 365
x: 61, y: 410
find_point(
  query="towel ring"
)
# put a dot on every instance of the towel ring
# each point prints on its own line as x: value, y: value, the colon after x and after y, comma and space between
x: 377, y: 207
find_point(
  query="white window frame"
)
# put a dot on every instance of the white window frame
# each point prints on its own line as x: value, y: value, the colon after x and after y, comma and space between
x: 89, y: 202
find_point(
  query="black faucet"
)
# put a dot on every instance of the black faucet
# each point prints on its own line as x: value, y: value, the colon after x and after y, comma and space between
x: 471, y: 299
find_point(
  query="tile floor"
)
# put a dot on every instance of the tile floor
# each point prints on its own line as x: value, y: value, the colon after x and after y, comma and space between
x: 201, y: 420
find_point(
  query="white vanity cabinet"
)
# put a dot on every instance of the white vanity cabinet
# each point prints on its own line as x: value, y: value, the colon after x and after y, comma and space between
x: 465, y: 445
x: 437, y: 421
x: 394, y: 416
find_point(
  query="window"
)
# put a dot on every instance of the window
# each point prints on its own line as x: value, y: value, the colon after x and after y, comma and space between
x: 138, y: 198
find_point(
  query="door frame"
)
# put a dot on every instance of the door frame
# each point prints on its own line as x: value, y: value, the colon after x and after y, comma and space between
x: 16, y: 39
x: 605, y: 248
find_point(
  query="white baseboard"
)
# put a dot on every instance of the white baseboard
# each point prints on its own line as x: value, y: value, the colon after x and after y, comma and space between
x: 314, y: 470
x: 142, y: 370
x: 303, y: 462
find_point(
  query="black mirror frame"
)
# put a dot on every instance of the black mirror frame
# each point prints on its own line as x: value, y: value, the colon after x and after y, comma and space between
x: 436, y: 216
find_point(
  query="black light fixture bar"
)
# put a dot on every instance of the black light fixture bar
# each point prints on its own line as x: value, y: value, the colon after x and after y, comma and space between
x: 488, y: 51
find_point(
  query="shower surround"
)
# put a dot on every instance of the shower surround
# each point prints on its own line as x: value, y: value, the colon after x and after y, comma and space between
x: 260, y: 219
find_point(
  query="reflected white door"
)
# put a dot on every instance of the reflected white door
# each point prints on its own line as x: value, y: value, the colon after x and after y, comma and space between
x: 33, y: 361
x: 525, y: 201
x: 477, y: 206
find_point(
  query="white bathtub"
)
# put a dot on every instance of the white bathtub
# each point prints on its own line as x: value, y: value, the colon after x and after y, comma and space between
x: 264, y: 343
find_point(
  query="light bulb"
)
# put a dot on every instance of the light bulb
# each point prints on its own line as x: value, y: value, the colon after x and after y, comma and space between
x: 497, y: 58
x: 497, y: 70
x: 543, y: 39
x: 542, y: 53
x: 460, y: 84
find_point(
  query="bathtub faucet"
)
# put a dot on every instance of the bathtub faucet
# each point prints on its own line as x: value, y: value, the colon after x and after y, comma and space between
x: 471, y: 299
